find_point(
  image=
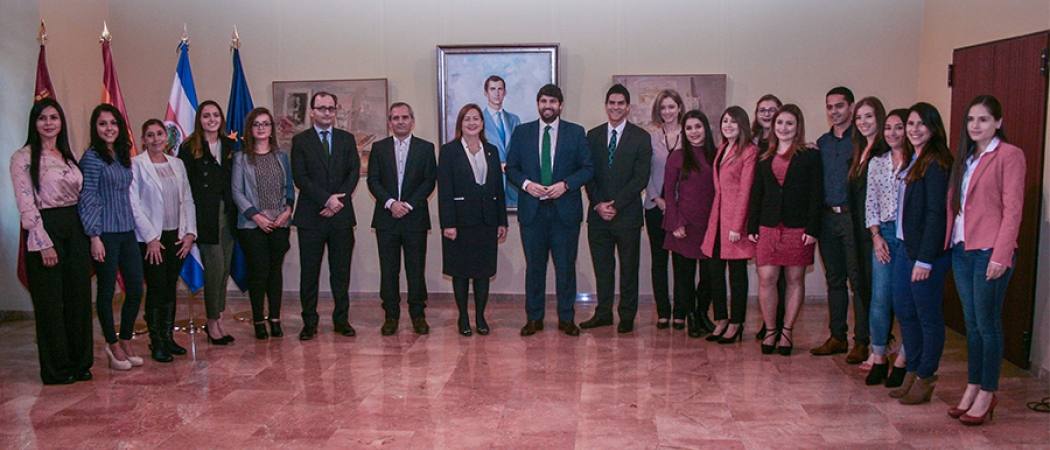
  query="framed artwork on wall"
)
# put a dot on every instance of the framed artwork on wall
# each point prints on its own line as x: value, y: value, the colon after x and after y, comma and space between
x: 465, y: 74
x: 361, y: 110
x: 704, y: 92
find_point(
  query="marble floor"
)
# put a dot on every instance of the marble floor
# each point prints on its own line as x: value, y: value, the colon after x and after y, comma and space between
x: 647, y: 389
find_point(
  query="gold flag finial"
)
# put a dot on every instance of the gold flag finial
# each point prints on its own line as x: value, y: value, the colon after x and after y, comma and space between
x: 105, y: 33
x: 184, y: 40
x: 235, y: 42
x: 41, y: 36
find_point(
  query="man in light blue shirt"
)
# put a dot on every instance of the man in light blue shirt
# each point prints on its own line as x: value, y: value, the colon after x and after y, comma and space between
x: 499, y: 126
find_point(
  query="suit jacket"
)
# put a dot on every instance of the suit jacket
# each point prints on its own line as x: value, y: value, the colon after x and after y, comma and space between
x: 799, y: 203
x: 510, y: 122
x: 925, y: 216
x: 147, y: 199
x: 318, y: 176
x: 418, y: 183
x: 245, y: 188
x: 624, y: 181
x: 210, y: 183
x: 994, y: 203
x: 729, y: 212
x: 462, y: 202
x: 572, y: 164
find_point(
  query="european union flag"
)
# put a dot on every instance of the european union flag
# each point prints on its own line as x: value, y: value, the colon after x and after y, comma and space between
x: 237, y: 110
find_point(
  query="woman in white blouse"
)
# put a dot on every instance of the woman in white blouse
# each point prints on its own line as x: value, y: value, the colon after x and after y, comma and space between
x: 166, y: 226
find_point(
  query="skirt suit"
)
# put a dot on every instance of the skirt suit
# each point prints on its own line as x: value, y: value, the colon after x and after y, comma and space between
x: 474, y: 210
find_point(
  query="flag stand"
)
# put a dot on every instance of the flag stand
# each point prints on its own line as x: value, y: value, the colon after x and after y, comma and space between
x: 188, y: 325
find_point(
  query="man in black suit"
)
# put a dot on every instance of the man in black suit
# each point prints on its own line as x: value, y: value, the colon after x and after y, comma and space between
x: 326, y: 169
x: 550, y: 160
x: 402, y: 171
x: 622, y: 153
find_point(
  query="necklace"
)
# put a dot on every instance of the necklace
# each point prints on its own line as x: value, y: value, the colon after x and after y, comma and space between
x: 678, y: 138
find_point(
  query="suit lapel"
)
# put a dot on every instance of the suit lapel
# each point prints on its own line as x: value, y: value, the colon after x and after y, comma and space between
x: 151, y: 171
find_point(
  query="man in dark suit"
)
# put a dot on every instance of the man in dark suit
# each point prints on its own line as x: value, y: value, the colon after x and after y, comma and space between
x: 550, y: 161
x: 402, y: 171
x: 622, y: 154
x: 326, y: 169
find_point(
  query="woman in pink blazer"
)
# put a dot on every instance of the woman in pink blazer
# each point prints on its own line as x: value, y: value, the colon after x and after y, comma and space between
x: 726, y: 239
x: 985, y: 199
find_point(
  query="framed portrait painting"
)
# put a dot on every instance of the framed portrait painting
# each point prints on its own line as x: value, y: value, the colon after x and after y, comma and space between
x: 361, y: 107
x: 502, y: 80
x: 704, y: 92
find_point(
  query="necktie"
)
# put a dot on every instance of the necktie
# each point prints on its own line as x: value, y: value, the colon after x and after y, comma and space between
x: 324, y: 142
x: 612, y: 147
x: 499, y: 127
x: 546, y: 174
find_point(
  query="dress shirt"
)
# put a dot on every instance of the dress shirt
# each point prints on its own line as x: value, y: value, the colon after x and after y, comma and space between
x: 881, y: 202
x: 619, y: 133
x: 478, y: 162
x: 170, y: 187
x: 105, y: 201
x: 836, y: 154
x: 958, y: 231
x: 60, y: 183
x: 322, y: 138
x: 539, y: 149
x: 216, y: 150
x: 401, y: 156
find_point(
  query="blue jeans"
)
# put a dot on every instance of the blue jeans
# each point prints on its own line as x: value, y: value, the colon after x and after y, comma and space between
x: 982, y: 302
x: 122, y: 252
x: 918, y: 309
x: 881, y: 315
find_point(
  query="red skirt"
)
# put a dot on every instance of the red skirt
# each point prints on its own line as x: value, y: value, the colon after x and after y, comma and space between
x: 783, y: 246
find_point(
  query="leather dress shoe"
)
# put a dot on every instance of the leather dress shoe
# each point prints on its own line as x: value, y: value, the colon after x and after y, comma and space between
x: 858, y: 354
x: 345, y: 329
x: 531, y: 327
x: 831, y: 346
x: 596, y: 322
x: 309, y: 331
x: 569, y: 328
x: 626, y: 326
x: 389, y: 327
x: 83, y: 375
x: 419, y: 325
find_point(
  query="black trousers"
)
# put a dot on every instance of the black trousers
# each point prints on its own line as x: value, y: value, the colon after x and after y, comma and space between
x: 61, y: 297
x: 715, y: 271
x: 391, y: 243
x: 312, y: 242
x: 691, y: 293
x: 654, y: 220
x: 839, y: 253
x: 162, y: 279
x: 123, y: 255
x: 264, y: 253
x: 606, y: 243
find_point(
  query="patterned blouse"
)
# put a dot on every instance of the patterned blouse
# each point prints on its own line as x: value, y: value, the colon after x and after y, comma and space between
x: 105, y: 205
x: 60, y: 183
x: 270, y: 178
x: 881, y: 203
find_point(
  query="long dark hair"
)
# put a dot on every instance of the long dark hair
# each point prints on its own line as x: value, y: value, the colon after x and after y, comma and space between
x: 936, y: 150
x: 743, y: 139
x: 756, y: 128
x: 459, y: 122
x: 860, y: 143
x: 690, y: 163
x: 249, y: 136
x: 968, y: 148
x: 798, y: 144
x: 196, y: 140
x: 36, y: 144
x: 121, y: 147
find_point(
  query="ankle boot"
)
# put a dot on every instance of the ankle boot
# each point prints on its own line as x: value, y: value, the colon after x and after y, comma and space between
x: 909, y: 379
x: 158, y: 347
x: 896, y: 377
x: 693, y: 323
x: 920, y: 392
x: 877, y: 374
x: 169, y: 327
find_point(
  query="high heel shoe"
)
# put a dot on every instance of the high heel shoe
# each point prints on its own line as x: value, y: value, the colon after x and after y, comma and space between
x: 877, y: 374
x: 114, y: 363
x: 967, y: 419
x: 785, y: 350
x: 678, y: 324
x: 921, y: 391
x: 483, y: 326
x: 213, y: 341
x: 129, y: 353
x: 768, y: 349
x: 715, y: 337
x: 464, y: 327
x: 260, y: 331
x: 275, y: 329
x: 738, y: 336
x: 663, y: 323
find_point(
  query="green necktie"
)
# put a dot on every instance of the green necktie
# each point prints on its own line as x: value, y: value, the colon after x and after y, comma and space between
x: 324, y: 142
x: 546, y: 174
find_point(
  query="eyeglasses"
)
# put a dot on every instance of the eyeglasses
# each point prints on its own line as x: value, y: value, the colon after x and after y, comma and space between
x: 766, y: 111
x: 261, y: 124
x: 326, y: 109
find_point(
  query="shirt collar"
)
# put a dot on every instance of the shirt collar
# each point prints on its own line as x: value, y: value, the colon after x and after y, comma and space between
x: 554, y: 125
x: 619, y: 129
x: 407, y: 140
x: 319, y: 130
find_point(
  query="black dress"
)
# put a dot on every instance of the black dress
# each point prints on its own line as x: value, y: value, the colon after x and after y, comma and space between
x: 475, y: 211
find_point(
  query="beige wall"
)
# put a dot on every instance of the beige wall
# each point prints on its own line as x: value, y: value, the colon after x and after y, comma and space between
x: 951, y: 24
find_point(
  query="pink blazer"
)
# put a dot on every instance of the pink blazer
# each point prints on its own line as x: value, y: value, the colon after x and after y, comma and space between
x: 729, y: 212
x: 993, y: 206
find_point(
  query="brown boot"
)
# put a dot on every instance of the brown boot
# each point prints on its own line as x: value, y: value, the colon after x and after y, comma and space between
x: 920, y: 392
x: 831, y: 346
x: 858, y: 354
x: 909, y: 379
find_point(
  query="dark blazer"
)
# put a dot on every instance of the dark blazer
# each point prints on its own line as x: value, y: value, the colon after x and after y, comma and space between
x: 799, y: 203
x: 572, y: 164
x: 210, y: 183
x: 318, y: 176
x: 624, y: 181
x: 925, y: 217
x: 462, y: 202
x: 418, y: 184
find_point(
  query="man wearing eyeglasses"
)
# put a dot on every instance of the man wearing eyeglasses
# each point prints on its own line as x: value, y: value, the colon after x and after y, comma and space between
x: 326, y: 169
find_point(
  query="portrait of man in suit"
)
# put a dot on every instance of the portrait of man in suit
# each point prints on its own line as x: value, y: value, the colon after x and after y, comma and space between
x: 326, y: 169
x: 622, y: 153
x: 402, y: 173
x: 499, y: 126
x: 550, y: 160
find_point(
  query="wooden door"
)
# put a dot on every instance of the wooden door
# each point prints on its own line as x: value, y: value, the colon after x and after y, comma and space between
x: 1015, y: 72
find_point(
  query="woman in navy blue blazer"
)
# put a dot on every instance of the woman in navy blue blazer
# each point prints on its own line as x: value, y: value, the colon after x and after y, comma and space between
x: 473, y: 213
x: 918, y: 275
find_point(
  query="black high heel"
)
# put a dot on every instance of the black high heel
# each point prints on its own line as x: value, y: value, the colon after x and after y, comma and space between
x: 714, y: 337
x: 464, y: 327
x: 769, y: 349
x: 739, y: 336
x: 785, y: 350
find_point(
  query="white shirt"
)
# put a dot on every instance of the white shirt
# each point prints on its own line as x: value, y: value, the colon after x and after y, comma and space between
x: 216, y: 151
x: 478, y: 162
x: 958, y: 229
x: 554, y: 144
x: 401, y: 156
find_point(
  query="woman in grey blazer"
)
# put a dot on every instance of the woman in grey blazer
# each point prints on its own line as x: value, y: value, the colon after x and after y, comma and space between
x: 265, y: 194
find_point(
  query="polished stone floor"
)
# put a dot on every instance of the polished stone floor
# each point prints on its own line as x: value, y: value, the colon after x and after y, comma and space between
x: 647, y: 389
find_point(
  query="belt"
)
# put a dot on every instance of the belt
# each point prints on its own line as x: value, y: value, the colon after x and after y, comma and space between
x: 837, y: 209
